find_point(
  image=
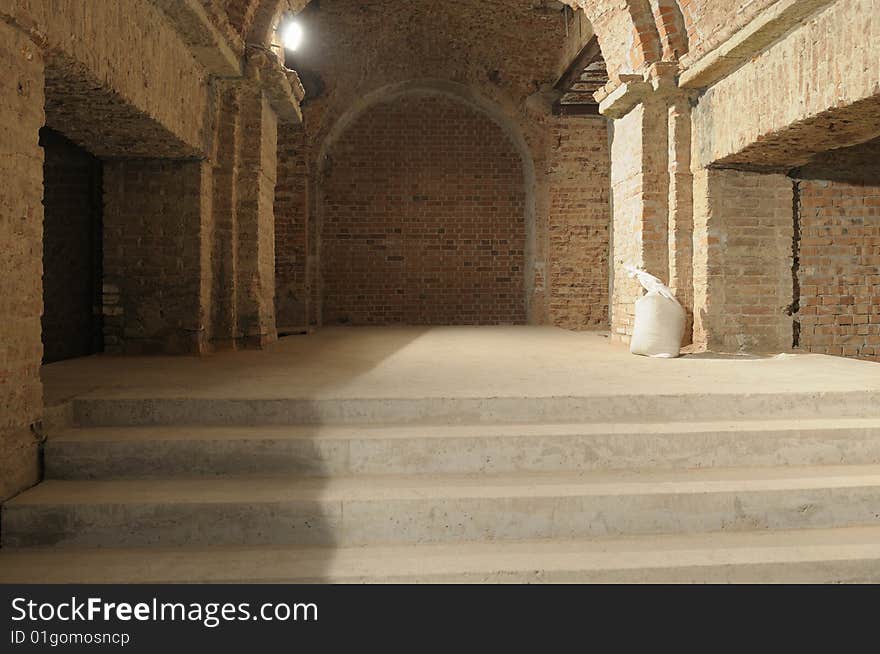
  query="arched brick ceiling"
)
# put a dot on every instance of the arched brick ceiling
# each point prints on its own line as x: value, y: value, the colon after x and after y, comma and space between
x: 357, y: 46
x: 632, y: 33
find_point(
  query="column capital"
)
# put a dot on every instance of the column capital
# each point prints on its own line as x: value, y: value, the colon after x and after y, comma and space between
x: 281, y: 85
x: 658, y: 82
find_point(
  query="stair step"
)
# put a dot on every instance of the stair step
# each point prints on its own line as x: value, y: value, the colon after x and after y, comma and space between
x: 361, y: 510
x: 120, y: 410
x: 148, y: 452
x: 799, y: 556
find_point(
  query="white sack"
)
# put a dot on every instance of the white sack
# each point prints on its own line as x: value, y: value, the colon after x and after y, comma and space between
x: 659, y: 327
x: 660, y: 320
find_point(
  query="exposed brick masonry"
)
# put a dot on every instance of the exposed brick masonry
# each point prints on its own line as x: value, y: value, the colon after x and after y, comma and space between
x: 840, y: 269
x: 742, y: 261
x: 292, y: 279
x: 152, y: 256
x: 423, y: 218
x: 579, y: 224
x: 21, y: 219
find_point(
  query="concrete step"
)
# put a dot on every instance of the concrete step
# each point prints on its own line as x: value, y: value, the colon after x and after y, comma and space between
x: 122, y: 411
x: 167, y: 452
x: 348, y: 511
x: 799, y: 556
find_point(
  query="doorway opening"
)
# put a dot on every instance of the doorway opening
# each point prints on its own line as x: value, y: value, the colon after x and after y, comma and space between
x: 72, y: 250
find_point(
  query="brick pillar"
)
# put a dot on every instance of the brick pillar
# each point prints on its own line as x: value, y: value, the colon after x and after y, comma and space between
x: 681, y: 207
x: 640, y: 201
x: 242, y: 266
x: 743, y: 231
x: 21, y: 265
x: 651, y: 186
x: 224, y: 332
x: 255, y: 197
x: 157, y: 215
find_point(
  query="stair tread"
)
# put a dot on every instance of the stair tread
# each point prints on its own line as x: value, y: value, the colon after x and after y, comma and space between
x: 393, y: 431
x: 444, y: 486
x: 724, y: 551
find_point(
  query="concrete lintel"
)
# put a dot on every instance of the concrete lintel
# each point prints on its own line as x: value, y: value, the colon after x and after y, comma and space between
x: 281, y: 86
x: 209, y: 46
x: 620, y: 101
x: 760, y: 33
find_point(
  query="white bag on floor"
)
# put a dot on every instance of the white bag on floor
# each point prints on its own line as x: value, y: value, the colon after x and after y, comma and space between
x: 660, y: 319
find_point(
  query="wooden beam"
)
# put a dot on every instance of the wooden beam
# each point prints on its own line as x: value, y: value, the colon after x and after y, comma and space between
x: 588, y: 54
x: 560, y: 109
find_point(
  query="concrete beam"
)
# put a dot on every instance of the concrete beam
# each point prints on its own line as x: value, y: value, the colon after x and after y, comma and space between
x: 281, y: 86
x: 631, y: 91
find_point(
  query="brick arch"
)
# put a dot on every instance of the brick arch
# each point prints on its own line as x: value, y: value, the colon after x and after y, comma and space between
x: 627, y: 33
x: 671, y: 28
x: 253, y: 20
x: 478, y: 105
x: 630, y: 39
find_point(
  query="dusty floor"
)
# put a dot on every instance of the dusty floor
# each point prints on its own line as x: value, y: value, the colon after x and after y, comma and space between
x: 447, y: 362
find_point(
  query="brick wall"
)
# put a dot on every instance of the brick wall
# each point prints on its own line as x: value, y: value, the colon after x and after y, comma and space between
x: 710, y: 22
x: 579, y: 224
x: 21, y: 243
x: 71, y: 250
x: 292, y: 279
x: 839, y: 269
x: 743, y: 286
x: 153, y: 283
x: 423, y: 218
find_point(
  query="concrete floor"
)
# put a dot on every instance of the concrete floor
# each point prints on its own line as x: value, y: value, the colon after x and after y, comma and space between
x: 368, y: 454
x: 454, y: 362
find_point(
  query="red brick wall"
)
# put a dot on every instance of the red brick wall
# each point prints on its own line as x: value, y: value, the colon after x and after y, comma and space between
x: 152, y: 256
x: 292, y: 283
x: 743, y: 288
x: 579, y: 224
x: 840, y: 269
x: 423, y: 218
x: 71, y: 250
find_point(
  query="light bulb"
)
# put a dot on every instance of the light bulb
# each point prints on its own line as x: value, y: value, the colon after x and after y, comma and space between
x: 292, y: 35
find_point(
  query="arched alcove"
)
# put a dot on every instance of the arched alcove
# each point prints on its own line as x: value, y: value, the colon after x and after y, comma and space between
x: 425, y: 207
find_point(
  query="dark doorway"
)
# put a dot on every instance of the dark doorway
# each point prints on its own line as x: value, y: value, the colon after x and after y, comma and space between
x: 72, y: 200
